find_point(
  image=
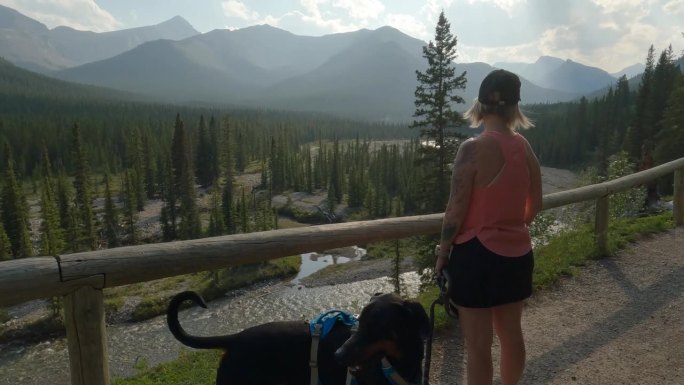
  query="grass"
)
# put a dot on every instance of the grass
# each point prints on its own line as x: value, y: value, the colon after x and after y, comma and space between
x: 191, y: 368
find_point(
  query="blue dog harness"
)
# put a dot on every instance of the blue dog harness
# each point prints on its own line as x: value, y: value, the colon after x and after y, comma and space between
x: 321, y: 325
x: 319, y: 328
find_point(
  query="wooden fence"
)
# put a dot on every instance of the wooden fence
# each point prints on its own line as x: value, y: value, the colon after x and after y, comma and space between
x: 80, y: 277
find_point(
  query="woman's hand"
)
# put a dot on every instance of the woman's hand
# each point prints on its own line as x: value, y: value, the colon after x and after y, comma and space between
x: 442, y: 260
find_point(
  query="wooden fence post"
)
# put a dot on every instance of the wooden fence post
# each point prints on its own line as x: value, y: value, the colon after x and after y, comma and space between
x: 84, y: 319
x: 601, y: 224
x: 678, y: 198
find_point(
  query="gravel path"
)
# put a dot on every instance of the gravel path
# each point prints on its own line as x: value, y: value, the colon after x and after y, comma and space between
x: 619, y: 321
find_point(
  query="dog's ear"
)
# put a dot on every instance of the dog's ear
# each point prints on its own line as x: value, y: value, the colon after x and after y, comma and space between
x: 375, y: 296
x: 420, y: 317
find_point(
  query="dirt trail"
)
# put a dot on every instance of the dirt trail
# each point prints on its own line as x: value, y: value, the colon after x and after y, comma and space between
x: 620, y: 320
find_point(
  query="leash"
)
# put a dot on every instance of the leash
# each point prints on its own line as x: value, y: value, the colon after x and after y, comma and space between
x: 443, y: 282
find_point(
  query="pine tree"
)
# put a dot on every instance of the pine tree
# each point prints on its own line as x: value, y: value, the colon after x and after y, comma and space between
x: 190, y: 226
x: 435, y: 112
x: 64, y: 199
x: 5, y: 244
x: 227, y: 193
x: 670, y: 142
x: 52, y: 234
x: 52, y: 237
x: 214, y: 158
x: 82, y: 185
x: 169, y: 210
x: 15, y: 211
x: 130, y: 213
x: 217, y: 225
x: 203, y: 163
x: 149, y: 164
x: 643, y: 116
x: 111, y: 216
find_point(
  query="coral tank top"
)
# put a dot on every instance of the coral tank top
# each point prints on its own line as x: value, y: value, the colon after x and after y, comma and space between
x: 496, y: 213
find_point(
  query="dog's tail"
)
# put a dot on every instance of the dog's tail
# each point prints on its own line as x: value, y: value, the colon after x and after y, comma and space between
x: 220, y: 342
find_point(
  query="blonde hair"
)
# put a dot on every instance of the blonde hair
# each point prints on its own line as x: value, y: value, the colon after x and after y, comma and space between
x: 512, y: 116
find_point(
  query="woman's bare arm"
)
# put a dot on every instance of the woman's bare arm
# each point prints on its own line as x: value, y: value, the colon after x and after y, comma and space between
x: 462, y: 179
x: 533, y: 205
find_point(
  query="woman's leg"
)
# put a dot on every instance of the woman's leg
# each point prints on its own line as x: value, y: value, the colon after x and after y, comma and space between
x: 476, y: 324
x: 507, y: 325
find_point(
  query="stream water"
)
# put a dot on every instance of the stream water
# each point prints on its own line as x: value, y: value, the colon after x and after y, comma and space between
x: 151, y: 342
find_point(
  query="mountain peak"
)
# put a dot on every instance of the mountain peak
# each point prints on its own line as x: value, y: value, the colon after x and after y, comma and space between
x: 179, y: 24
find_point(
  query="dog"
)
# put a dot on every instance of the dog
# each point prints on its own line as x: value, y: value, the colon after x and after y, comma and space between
x: 390, y: 329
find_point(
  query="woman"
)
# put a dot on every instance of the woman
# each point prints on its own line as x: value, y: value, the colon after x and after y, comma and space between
x: 485, y: 244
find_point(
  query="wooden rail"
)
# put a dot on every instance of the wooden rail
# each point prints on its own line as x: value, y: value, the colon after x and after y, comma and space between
x: 80, y: 277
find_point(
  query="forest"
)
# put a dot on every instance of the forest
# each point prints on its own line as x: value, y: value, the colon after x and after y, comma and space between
x: 78, y: 170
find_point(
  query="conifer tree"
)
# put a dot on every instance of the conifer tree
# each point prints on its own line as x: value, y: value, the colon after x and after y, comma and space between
x: 189, y: 226
x: 130, y: 212
x: 169, y: 210
x: 435, y: 113
x: 203, y: 153
x: 217, y: 225
x: 111, y: 216
x: 15, y: 216
x: 227, y: 193
x: 52, y: 234
x: 5, y: 245
x: 64, y: 199
x: 82, y: 185
x: 643, y: 117
x: 150, y: 169
x: 52, y: 237
x: 670, y: 145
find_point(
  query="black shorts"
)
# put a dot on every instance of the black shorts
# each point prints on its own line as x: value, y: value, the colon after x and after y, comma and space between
x: 481, y: 278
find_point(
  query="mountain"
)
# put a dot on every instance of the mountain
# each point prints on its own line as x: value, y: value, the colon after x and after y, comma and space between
x: 563, y: 75
x: 532, y: 71
x: 631, y: 71
x: 30, y: 44
x: 367, y: 74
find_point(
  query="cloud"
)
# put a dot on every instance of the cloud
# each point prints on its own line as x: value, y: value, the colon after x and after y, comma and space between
x: 361, y: 9
x: 674, y: 7
x: 236, y: 8
x: 77, y: 14
x: 408, y: 24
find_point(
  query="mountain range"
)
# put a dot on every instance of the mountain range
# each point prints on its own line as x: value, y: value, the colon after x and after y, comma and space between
x: 366, y: 74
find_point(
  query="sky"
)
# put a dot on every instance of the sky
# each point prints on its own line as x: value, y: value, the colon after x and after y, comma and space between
x: 609, y: 34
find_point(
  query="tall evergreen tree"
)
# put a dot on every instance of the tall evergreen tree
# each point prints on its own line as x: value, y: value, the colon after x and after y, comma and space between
x: 111, y: 216
x: 130, y: 212
x: 150, y: 168
x: 435, y: 113
x: 184, y: 184
x: 227, y: 205
x: 82, y: 185
x: 643, y: 117
x: 52, y: 237
x: 5, y: 244
x: 15, y: 216
x: 203, y: 163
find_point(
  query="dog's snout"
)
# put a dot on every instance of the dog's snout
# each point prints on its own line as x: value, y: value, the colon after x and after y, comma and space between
x: 341, y: 355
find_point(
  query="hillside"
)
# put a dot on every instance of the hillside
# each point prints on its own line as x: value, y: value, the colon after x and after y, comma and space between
x: 17, y: 86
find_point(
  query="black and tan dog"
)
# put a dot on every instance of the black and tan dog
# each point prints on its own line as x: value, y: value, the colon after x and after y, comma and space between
x: 277, y: 353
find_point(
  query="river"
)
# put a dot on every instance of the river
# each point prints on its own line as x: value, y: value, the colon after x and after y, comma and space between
x: 151, y: 342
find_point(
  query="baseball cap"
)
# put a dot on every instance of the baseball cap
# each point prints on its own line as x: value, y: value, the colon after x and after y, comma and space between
x: 500, y: 88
